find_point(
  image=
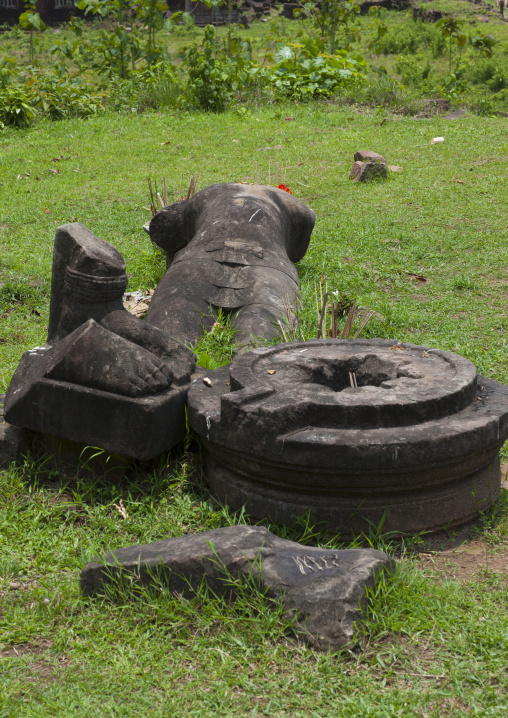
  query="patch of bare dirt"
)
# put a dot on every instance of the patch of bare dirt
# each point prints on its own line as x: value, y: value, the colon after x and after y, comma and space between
x: 468, y: 560
x: 22, y: 649
x: 39, y: 666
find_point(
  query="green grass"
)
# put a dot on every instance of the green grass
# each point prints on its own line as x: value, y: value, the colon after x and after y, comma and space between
x: 433, y: 647
x: 436, y: 647
x: 367, y: 241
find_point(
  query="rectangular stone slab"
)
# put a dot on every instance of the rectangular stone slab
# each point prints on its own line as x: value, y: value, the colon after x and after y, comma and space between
x: 325, y: 590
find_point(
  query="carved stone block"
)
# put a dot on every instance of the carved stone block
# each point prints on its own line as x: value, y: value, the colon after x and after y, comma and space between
x: 105, y: 378
x: 355, y: 432
x: 325, y: 589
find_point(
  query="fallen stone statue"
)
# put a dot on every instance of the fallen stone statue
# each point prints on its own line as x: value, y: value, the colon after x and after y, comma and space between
x: 231, y: 247
x: 104, y: 378
x: 325, y: 590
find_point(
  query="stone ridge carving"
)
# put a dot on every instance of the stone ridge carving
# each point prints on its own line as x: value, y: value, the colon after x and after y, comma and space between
x: 324, y: 589
x: 356, y: 432
x: 231, y: 247
x: 105, y: 377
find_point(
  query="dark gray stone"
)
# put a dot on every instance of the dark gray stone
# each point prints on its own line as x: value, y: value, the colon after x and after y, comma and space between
x: 14, y: 441
x: 367, y: 156
x: 457, y: 115
x: 325, y: 588
x: 363, y: 171
x: 423, y: 15
x: 415, y: 444
x: 105, y: 377
x: 232, y: 246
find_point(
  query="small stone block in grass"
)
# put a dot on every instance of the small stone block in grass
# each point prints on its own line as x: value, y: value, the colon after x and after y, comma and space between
x: 367, y: 156
x: 363, y: 171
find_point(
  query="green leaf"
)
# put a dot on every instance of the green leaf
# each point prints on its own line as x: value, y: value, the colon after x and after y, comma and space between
x: 285, y: 53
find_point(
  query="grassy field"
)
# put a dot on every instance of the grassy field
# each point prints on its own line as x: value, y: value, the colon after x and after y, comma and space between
x: 426, y: 249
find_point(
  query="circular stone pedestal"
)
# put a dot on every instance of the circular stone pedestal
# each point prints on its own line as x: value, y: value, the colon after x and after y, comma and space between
x: 355, y: 432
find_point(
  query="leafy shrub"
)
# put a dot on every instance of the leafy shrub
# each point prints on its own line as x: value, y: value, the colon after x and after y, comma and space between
x: 214, y: 76
x: 304, y: 78
x: 210, y: 82
x: 488, y: 72
x: 15, y: 107
x: 483, y: 105
x: 455, y: 83
x: 483, y: 71
x: 409, y: 38
x: 156, y: 87
x: 438, y: 45
x: 7, y: 67
x: 412, y: 70
x: 60, y: 97
x: 499, y: 81
x: 397, y: 41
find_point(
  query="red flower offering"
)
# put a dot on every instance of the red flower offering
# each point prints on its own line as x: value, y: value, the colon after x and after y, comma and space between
x: 286, y: 189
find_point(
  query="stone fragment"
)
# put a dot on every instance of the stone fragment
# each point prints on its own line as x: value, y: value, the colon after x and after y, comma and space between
x: 366, y: 156
x: 231, y: 247
x: 353, y: 433
x: 104, y: 378
x: 394, y: 168
x: 14, y: 441
x: 324, y: 589
x: 363, y: 171
x: 456, y: 115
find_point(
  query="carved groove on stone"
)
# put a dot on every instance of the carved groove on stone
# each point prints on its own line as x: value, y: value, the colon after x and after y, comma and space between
x: 91, y: 288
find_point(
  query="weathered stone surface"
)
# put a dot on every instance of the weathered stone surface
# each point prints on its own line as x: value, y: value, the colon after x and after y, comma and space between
x: 426, y: 15
x: 363, y: 171
x: 326, y: 588
x: 88, y: 282
x: 232, y: 246
x: 414, y: 443
x: 366, y: 156
x: 456, y: 115
x: 14, y: 441
x: 105, y: 377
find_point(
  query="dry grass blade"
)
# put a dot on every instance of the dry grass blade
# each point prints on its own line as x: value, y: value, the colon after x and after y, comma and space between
x: 365, y: 320
x: 348, y: 326
x: 281, y: 329
x: 298, y: 320
x: 317, y: 302
x: 322, y: 316
x: 192, y: 186
x: 153, y: 207
x: 289, y: 316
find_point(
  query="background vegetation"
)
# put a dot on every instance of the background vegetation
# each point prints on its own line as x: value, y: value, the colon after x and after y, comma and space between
x: 128, y: 57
